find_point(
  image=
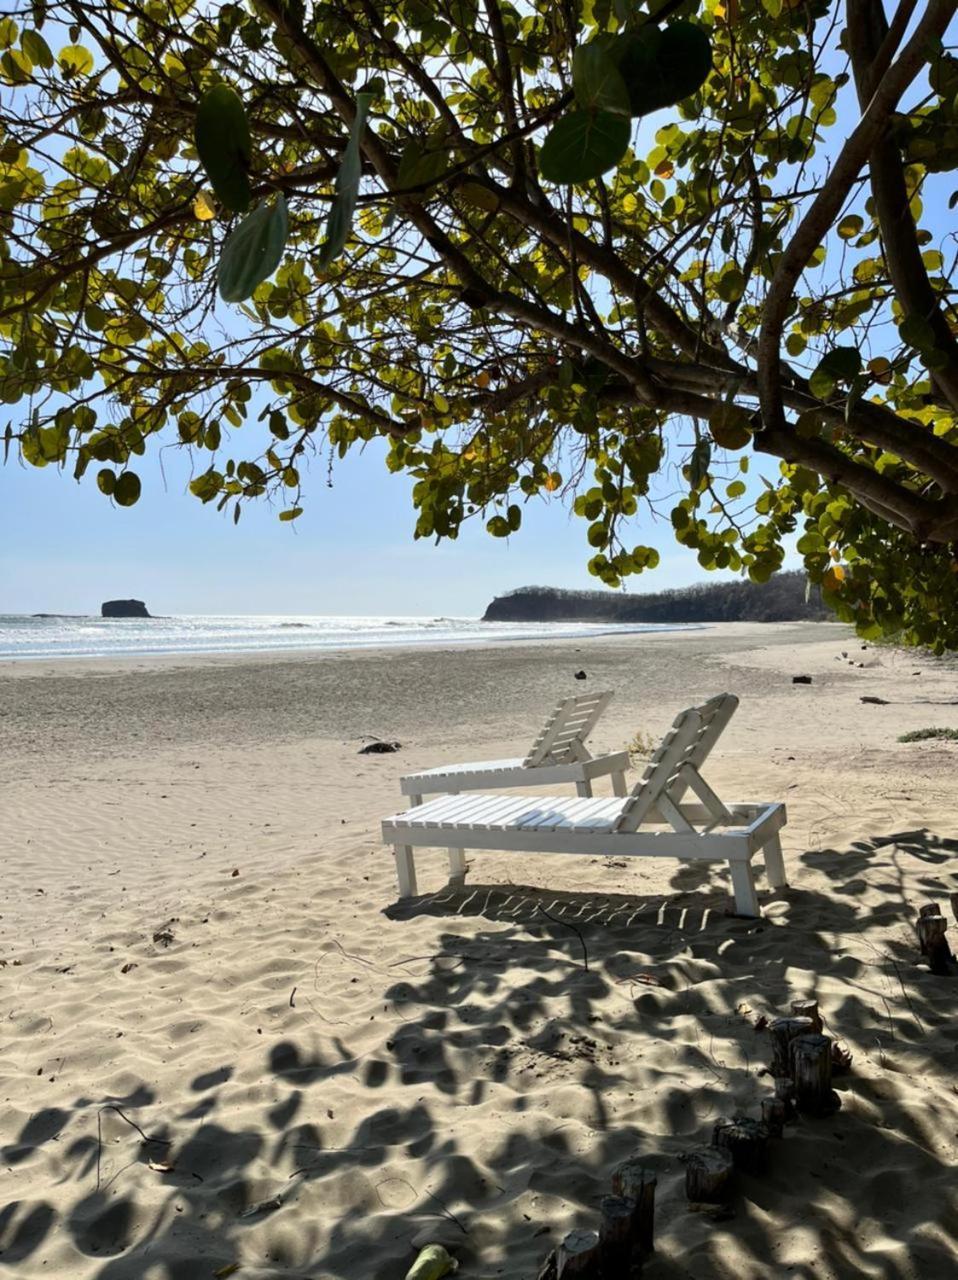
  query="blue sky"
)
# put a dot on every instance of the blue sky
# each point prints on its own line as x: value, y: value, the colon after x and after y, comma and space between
x: 65, y: 548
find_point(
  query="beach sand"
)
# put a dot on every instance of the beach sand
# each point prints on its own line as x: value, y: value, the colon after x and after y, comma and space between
x: 210, y: 999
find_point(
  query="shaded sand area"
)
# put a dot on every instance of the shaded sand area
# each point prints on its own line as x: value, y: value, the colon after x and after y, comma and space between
x: 209, y: 998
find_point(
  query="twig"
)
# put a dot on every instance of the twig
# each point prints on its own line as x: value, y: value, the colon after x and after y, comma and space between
x: 567, y: 925
x: 291, y: 995
x: 160, y: 1142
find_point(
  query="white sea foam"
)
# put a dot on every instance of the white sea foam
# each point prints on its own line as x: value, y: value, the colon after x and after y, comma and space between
x: 22, y: 636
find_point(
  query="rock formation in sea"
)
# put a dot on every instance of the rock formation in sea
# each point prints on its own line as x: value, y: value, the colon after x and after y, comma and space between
x: 124, y: 609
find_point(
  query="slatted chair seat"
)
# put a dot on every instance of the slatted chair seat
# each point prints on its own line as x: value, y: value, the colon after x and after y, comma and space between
x: 558, y: 755
x: 654, y: 820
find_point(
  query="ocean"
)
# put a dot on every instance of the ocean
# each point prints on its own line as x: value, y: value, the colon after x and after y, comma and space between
x: 23, y: 636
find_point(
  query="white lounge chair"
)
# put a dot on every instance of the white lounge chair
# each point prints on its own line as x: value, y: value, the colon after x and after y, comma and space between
x: 558, y: 755
x: 615, y: 827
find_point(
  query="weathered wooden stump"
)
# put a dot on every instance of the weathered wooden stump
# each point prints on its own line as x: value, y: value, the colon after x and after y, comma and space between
x: 785, y: 1092
x: 631, y: 1181
x: 746, y: 1140
x: 812, y: 1075
x: 931, y: 936
x: 616, y: 1243
x: 954, y: 905
x: 578, y: 1255
x: 548, y: 1269
x: 708, y: 1175
x: 774, y: 1116
x: 783, y: 1031
x: 808, y: 1009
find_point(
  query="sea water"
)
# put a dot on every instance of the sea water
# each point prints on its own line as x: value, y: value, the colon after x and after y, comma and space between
x: 23, y: 636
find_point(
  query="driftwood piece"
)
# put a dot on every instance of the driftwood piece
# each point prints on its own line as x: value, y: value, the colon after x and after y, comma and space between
x: 578, y: 1255
x: 812, y: 1074
x: 708, y: 1175
x: 783, y: 1031
x: 616, y: 1242
x: 774, y: 1115
x: 931, y: 936
x: 746, y: 1140
x: 808, y: 1009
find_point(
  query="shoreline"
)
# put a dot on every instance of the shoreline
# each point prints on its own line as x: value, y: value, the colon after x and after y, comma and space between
x: 108, y: 663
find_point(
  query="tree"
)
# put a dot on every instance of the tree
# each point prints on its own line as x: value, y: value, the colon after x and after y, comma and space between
x: 606, y: 251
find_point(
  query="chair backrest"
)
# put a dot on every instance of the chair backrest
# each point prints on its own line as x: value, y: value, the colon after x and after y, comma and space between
x: 681, y: 754
x: 562, y: 740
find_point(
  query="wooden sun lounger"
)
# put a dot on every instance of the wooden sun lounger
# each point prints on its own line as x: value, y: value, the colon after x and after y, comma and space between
x: 558, y: 755
x: 707, y: 830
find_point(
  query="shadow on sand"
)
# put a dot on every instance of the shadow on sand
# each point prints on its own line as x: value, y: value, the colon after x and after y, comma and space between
x: 618, y: 996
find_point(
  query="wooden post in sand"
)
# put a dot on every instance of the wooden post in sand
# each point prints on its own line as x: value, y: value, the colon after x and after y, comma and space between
x: 578, y: 1255
x: 812, y: 1074
x: 708, y: 1175
x: 808, y: 1009
x: 615, y: 1235
x: 931, y: 936
x: 785, y: 1093
x: 954, y: 905
x: 783, y: 1031
x: 632, y: 1182
x: 773, y: 1116
x: 746, y: 1140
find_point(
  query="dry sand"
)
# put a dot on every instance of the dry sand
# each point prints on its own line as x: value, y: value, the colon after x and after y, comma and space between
x: 199, y: 943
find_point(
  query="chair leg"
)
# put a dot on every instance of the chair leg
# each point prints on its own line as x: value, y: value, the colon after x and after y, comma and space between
x: 415, y: 800
x: 406, y: 870
x: 619, y: 787
x: 583, y: 788
x: 457, y: 867
x: 743, y: 886
x: 775, y: 864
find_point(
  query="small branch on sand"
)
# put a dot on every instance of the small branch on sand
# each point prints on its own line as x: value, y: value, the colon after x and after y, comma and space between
x: 160, y: 1142
x: 567, y: 925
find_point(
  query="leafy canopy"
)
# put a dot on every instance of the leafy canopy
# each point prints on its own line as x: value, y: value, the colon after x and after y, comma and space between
x: 618, y: 253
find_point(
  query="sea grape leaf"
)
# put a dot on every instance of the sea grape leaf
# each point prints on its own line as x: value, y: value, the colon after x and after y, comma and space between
x: 126, y: 491
x: 583, y: 145
x: 347, y: 186
x: 224, y: 146
x: 253, y: 250
x: 596, y: 79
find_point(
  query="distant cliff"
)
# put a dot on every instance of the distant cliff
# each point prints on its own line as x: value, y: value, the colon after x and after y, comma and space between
x: 781, y: 599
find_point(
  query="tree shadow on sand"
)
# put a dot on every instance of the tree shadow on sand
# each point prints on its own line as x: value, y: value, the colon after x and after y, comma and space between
x: 567, y: 1027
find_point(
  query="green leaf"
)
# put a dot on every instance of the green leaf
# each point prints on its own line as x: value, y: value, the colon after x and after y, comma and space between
x: 583, y: 145
x: 915, y: 331
x: 292, y: 513
x: 74, y: 60
x: 731, y: 426
x: 254, y: 250
x: 596, y: 80
x: 106, y: 481
x: 850, y: 226
x: 126, y: 491
x: 347, y: 186
x: 661, y: 68
x: 37, y: 49
x: 224, y: 146
x: 841, y: 364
